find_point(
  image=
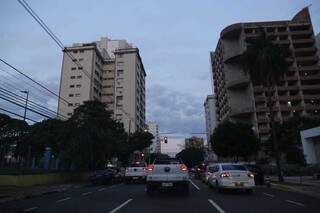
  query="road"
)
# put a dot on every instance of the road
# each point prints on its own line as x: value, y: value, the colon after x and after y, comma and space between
x: 132, y: 198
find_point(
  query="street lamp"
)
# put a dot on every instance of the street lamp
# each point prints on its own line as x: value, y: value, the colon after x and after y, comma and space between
x: 26, y: 105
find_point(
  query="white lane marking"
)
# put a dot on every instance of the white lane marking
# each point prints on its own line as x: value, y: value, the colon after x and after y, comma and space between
x: 64, y: 199
x: 86, y: 193
x: 101, y: 189
x: 296, y: 203
x: 195, y: 186
x: 30, y: 209
x: 220, y: 210
x: 122, y: 205
x: 269, y: 195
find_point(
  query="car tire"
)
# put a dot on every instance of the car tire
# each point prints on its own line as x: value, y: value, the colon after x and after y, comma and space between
x: 149, y: 191
x: 249, y: 191
x: 210, y: 185
x: 217, y: 187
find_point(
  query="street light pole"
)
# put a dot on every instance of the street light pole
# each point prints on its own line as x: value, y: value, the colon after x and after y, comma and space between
x: 26, y: 105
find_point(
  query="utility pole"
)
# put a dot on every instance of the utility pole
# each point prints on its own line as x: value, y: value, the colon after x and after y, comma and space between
x: 26, y: 105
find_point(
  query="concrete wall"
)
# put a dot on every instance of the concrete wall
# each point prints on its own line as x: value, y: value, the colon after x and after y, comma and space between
x: 311, y: 145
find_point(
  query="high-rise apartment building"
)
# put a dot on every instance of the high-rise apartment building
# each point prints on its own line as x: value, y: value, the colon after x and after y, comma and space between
x: 210, y: 115
x: 110, y: 71
x: 298, y: 94
x: 153, y: 128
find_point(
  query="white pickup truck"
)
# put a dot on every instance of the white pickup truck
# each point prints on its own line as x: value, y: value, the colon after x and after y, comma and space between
x: 135, y: 172
x: 167, y: 173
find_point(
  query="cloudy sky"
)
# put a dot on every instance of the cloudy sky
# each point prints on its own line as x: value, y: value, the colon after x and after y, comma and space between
x: 174, y: 38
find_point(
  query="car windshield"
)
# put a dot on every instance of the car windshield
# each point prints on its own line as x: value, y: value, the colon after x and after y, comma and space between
x: 229, y: 167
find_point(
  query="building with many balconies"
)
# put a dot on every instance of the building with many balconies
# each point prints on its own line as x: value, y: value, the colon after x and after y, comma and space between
x: 110, y: 71
x: 238, y: 99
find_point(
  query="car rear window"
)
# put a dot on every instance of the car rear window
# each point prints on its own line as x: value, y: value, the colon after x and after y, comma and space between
x: 167, y: 161
x: 233, y: 167
x: 137, y: 165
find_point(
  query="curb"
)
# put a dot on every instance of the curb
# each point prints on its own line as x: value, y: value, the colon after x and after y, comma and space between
x: 8, y: 199
x: 293, y: 189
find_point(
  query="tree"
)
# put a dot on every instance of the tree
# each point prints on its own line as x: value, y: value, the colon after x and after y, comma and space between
x: 234, y: 140
x: 191, y: 156
x: 140, y: 140
x: 12, y: 133
x: 289, y: 140
x: 92, y: 137
x: 265, y: 62
x: 47, y: 133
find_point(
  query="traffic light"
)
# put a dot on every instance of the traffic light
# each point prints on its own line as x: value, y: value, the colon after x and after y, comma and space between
x: 165, y: 139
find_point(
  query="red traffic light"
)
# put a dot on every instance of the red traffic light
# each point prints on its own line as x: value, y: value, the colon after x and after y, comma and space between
x: 165, y: 139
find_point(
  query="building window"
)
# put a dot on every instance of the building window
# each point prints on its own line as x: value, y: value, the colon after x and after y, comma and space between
x: 71, y: 86
x: 70, y: 104
x: 75, y: 51
x: 109, y: 78
x: 69, y: 113
x: 80, y: 59
x: 120, y: 63
x: 77, y: 94
x: 78, y: 85
x: 80, y: 68
x: 107, y: 86
x: 81, y: 51
x: 120, y: 55
x: 79, y: 76
x: 73, y: 68
x: 70, y: 95
x: 73, y: 77
x: 74, y: 59
x: 120, y: 72
x: 77, y: 104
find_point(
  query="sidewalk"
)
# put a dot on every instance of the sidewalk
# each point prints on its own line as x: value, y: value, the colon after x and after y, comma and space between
x: 10, y: 193
x: 308, y: 185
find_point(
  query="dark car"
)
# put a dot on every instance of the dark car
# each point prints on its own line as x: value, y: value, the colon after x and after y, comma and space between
x: 200, y: 170
x: 106, y: 176
x: 258, y: 173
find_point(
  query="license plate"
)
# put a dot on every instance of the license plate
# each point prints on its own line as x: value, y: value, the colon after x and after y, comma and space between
x: 238, y: 184
x: 167, y: 184
x: 135, y: 178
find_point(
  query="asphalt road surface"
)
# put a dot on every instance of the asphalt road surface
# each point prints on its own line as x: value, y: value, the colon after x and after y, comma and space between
x: 132, y: 198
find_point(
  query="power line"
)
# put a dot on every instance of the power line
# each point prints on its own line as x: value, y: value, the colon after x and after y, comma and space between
x: 34, y: 81
x: 27, y: 7
x: 16, y: 114
x: 20, y: 79
x: 32, y: 103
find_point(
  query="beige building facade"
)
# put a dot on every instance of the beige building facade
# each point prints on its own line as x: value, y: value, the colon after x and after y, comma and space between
x: 238, y: 99
x: 110, y: 71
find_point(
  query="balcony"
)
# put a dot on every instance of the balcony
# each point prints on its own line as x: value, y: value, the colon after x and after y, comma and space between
x: 259, y: 99
x: 241, y: 111
x: 302, y: 32
x: 263, y: 131
x: 237, y: 84
x: 303, y: 41
x: 285, y: 88
x: 312, y: 107
x: 307, y: 58
x: 309, y: 68
x: 306, y: 49
x: 310, y: 87
x: 310, y: 77
x: 231, y: 31
x: 290, y: 98
x: 311, y: 97
x: 261, y: 109
x: 291, y: 78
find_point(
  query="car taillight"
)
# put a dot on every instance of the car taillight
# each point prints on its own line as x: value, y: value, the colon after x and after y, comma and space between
x: 224, y: 174
x: 250, y: 175
x: 149, y: 168
x: 183, y: 167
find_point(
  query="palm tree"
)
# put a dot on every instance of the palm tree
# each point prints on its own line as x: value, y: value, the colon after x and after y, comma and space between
x: 265, y: 62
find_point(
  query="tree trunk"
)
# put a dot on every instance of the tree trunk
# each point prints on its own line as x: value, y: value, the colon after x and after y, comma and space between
x: 274, y: 136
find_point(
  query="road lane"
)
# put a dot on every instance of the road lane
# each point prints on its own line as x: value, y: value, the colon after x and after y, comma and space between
x: 132, y: 198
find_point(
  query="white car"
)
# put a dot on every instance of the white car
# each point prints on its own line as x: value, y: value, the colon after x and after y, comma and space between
x: 167, y: 173
x: 232, y: 176
x: 135, y: 172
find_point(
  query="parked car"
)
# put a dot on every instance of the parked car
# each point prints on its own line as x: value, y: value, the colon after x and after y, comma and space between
x: 231, y: 176
x: 105, y: 176
x: 258, y: 173
x: 135, y: 173
x: 168, y: 173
